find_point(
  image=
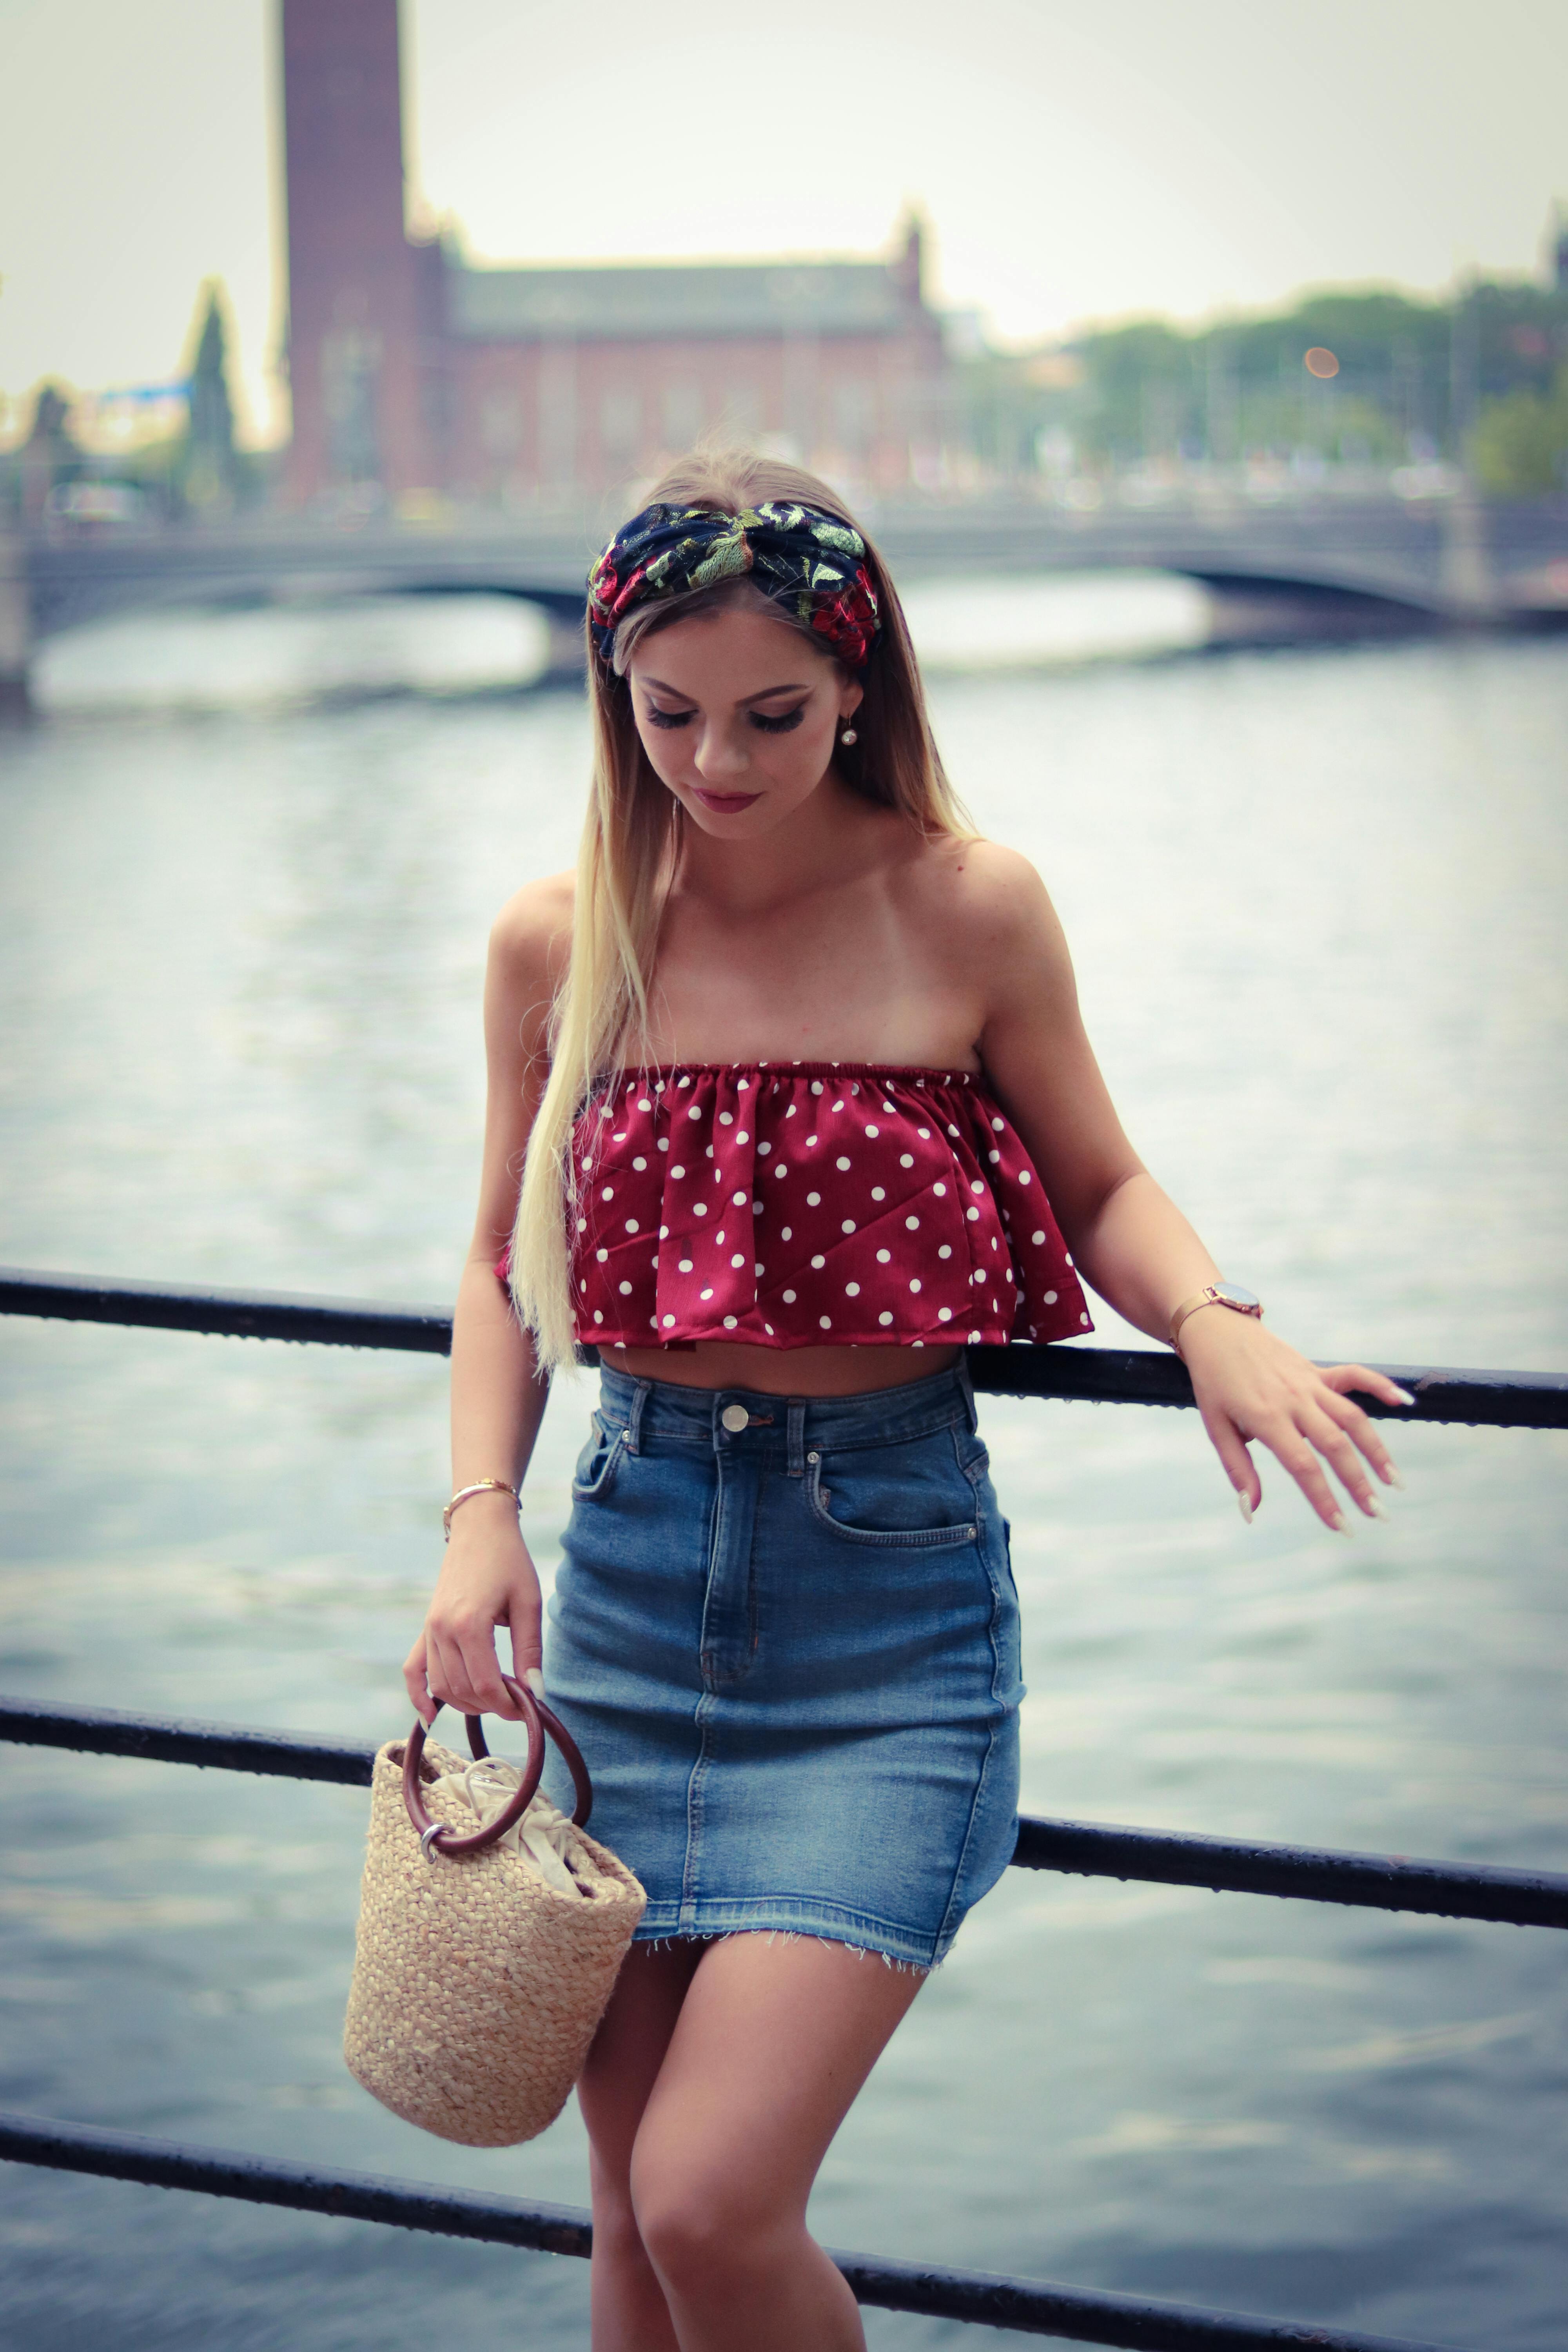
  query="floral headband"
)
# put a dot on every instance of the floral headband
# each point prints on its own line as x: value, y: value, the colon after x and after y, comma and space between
x: 808, y: 560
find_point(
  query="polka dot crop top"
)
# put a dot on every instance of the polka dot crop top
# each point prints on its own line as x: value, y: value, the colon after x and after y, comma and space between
x: 811, y: 1203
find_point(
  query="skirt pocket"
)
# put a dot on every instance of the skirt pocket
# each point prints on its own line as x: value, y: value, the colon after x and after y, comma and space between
x: 599, y: 1460
x: 873, y: 1498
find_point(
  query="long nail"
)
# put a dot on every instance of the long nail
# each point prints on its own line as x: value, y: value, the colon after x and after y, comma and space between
x: 1374, y: 1508
x: 1403, y: 1396
x: 533, y: 1676
x: 1339, y: 1524
x: 1244, y: 1506
x: 1391, y: 1475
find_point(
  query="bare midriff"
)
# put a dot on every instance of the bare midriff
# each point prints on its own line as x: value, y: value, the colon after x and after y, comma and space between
x: 782, y: 1371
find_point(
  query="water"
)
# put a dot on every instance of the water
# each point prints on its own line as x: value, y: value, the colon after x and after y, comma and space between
x: 1316, y: 901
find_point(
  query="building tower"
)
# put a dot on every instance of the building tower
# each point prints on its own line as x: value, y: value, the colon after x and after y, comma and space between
x: 353, y: 288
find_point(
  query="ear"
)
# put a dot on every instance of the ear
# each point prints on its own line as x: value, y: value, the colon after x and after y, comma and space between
x: 851, y: 695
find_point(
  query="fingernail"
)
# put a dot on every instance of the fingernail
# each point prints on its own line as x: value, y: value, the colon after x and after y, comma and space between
x: 1404, y: 1396
x: 533, y: 1676
x: 1339, y: 1524
x: 1391, y: 1473
x: 1374, y: 1508
x: 1244, y: 1506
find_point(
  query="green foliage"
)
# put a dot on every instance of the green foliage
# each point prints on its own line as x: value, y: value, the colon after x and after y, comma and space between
x: 1520, y: 446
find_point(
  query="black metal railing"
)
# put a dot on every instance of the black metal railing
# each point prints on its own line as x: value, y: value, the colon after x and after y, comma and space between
x: 1387, y: 1882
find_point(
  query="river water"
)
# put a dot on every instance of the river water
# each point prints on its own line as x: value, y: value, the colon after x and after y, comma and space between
x: 1317, y: 903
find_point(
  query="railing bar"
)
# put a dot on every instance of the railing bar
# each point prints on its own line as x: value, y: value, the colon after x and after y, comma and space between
x: 1093, y: 1375
x: 1025, y: 2306
x: 1086, y: 1849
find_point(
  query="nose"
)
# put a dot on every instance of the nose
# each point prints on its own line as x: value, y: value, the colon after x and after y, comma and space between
x: 721, y: 756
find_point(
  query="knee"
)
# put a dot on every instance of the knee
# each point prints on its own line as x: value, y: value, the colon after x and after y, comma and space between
x: 705, y: 2228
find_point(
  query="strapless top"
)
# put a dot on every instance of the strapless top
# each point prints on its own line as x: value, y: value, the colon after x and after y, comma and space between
x: 797, y: 1205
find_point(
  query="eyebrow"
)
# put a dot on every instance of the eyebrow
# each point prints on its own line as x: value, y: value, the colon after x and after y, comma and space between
x: 662, y: 686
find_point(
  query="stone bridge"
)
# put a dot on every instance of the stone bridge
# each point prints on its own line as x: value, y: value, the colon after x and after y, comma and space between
x: 1347, y: 562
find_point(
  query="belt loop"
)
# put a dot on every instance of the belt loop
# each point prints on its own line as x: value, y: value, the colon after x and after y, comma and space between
x: 967, y: 1387
x: 796, y: 1437
x: 641, y: 1391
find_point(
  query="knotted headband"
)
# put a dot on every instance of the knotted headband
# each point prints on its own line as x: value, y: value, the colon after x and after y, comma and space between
x: 808, y: 560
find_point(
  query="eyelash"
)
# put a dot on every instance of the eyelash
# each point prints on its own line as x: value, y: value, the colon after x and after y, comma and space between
x: 783, y: 725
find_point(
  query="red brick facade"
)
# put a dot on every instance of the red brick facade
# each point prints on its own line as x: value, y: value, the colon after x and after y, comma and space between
x: 412, y: 373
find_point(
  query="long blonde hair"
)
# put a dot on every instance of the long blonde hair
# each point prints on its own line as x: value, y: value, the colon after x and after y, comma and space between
x: 631, y: 846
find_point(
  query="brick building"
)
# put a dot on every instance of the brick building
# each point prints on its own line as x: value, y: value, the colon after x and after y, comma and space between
x: 552, y: 386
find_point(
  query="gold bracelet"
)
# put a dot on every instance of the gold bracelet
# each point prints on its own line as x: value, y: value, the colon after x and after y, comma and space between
x: 480, y: 1486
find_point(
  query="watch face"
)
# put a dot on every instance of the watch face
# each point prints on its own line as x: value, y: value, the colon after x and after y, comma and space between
x: 1235, y: 1293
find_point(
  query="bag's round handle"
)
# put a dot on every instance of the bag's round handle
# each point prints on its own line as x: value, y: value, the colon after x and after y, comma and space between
x: 439, y: 1837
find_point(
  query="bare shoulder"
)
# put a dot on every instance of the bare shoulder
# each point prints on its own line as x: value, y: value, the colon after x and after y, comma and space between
x: 989, y: 900
x: 531, y: 938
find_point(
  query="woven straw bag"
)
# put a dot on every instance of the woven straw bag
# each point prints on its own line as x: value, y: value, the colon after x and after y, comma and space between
x: 479, y: 1978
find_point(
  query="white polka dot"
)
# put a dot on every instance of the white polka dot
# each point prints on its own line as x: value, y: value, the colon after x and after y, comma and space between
x: 742, y: 1085
x: 1023, y: 1175
x: 685, y: 1267
x: 1000, y: 1125
x: 737, y: 1259
x: 699, y: 1208
x: 619, y: 1137
x: 695, y: 1111
x: 741, y: 1136
x: 639, y: 1163
x: 816, y: 1086
x: 763, y: 1149
x: 873, y: 1130
x: 759, y: 1270
x: 877, y: 1193
x: 941, y: 1192
x: 945, y: 1250
x: 784, y: 1234
x: 597, y: 1317
x: 737, y: 1200
x: 911, y: 1224
x: 668, y: 1321
x: 826, y: 1321
x: 729, y: 1322
x: 625, y: 1290
x: 768, y: 1330
x: 838, y: 1105
x: 782, y: 1167
x: 643, y: 1103
x: 995, y: 1160
x: 705, y: 1294
x: 884, y: 1257
x: 718, y: 1238
x: 582, y: 1224
x: 951, y: 1129
x: 1067, y: 1260
x: 884, y: 1317
x: 600, y: 1255
x: 819, y: 1262
x: 915, y: 1284
x: 608, y: 1193
x: 814, y: 1199
x: 726, y: 1118
x: 841, y: 1164
x: 848, y: 1225
x: 887, y: 1106
x: 1083, y: 1319
x: 791, y: 1112
x: 975, y: 1338
x: 631, y: 1224
x: 1051, y: 1297
x: 677, y: 1171
x: 1037, y: 1238
x: 924, y: 1134
x: 756, y: 1208
x: 973, y: 1215
x: 789, y: 1299
x: 851, y: 1290
x: 977, y: 1183
x: 944, y: 1314
x: 906, y: 1159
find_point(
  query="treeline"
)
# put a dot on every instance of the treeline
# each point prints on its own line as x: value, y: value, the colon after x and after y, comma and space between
x: 1482, y: 380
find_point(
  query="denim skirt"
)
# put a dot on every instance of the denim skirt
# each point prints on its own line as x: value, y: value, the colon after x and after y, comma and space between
x: 785, y: 1634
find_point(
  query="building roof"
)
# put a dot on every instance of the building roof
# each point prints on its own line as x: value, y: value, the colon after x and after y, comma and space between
x: 654, y: 301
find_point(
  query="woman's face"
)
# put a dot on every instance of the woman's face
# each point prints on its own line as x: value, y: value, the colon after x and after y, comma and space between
x: 739, y: 716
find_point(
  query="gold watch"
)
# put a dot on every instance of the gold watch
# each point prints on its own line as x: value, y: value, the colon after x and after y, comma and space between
x: 1216, y: 1294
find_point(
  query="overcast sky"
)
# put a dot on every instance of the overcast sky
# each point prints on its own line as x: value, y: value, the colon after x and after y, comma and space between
x: 1073, y: 162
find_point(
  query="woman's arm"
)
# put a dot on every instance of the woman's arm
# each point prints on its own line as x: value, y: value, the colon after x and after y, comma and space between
x: 486, y: 1577
x: 1129, y: 1239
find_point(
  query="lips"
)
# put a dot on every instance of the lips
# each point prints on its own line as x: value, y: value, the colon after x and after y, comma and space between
x: 724, y: 803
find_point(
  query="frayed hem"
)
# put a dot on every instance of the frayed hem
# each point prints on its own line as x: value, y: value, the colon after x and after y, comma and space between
x: 674, y: 1936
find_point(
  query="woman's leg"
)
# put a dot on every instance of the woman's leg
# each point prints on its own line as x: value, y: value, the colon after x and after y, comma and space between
x: 630, y: 2312
x: 770, y: 2044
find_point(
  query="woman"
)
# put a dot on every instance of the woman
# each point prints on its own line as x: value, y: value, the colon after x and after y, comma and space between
x: 794, y: 1073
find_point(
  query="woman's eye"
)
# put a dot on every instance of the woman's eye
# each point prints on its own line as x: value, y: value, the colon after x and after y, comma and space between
x: 658, y: 718
x: 779, y: 726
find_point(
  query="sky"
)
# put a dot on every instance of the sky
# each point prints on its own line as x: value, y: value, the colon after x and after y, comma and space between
x: 1074, y: 164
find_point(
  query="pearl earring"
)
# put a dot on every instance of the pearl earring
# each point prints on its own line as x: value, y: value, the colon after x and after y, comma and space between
x: 849, y: 736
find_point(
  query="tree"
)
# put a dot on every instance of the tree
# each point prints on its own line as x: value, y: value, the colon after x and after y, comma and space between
x: 211, y: 471
x: 1521, y: 442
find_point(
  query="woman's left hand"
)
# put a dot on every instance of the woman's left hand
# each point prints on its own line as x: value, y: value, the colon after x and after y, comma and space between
x: 1250, y: 1385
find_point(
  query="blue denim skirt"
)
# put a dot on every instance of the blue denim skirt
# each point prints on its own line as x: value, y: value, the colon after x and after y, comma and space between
x: 785, y: 1634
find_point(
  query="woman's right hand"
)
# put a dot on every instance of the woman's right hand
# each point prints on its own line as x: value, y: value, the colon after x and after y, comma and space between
x: 487, y: 1579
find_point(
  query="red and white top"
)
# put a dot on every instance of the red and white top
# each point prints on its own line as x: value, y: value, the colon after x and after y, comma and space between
x: 811, y: 1203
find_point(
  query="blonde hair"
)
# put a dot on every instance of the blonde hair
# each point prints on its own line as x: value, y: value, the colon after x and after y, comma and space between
x: 631, y: 846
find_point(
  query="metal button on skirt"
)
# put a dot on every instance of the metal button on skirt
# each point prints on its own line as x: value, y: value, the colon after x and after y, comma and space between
x: 785, y: 1634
